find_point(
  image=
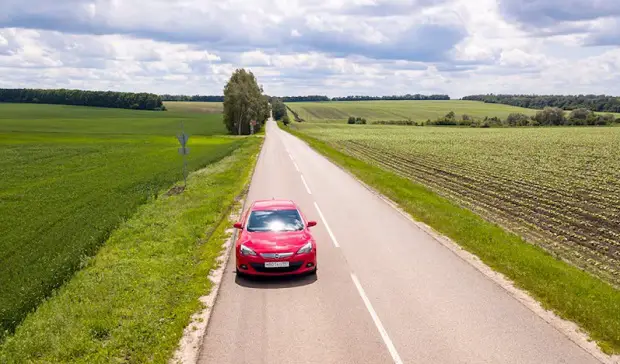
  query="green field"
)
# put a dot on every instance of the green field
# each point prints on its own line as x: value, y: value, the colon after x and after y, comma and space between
x: 31, y: 118
x: 195, y: 107
x: 70, y: 175
x: 491, y: 190
x: 131, y: 302
x: 339, y: 111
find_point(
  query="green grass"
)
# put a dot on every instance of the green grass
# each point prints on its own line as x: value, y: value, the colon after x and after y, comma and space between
x: 133, y: 299
x: 62, y: 193
x: 19, y: 118
x: 195, y: 107
x: 570, y: 292
x: 339, y: 111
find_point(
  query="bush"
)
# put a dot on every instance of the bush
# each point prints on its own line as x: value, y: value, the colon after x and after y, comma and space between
x: 593, y: 119
x: 492, y: 121
x: 286, y: 120
x: 351, y: 120
x: 278, y: 108
x: 550, y: 116
x: 517, y: 119
x: 396, y: 122
x: 466, y: 122
x: 579, y: 116
x: 608, y: 119
x: 360, y: 121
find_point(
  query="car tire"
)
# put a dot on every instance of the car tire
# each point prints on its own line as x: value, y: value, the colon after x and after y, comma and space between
x: 239, y: 273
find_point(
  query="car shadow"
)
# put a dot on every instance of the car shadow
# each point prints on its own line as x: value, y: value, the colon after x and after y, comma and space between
x: 277, y: 282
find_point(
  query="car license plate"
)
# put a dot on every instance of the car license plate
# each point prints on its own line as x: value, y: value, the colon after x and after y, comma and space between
x: 276, y: 264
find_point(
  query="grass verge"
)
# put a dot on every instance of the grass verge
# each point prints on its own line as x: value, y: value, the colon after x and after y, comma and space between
x: 134, y: 298
x: 566, y: 290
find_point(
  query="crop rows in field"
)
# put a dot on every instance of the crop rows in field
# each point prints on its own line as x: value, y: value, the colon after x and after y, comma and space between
x: 587, y: 232
x: 559, y: 189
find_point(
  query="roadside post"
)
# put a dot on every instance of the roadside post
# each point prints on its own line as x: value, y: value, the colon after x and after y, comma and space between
x: 252, y: 125
x: 184, y: 150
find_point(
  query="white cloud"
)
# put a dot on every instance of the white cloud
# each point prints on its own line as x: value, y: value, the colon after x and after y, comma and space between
x: 335, y: 47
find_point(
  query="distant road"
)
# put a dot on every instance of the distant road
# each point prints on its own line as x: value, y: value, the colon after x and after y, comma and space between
x: 386, y: 291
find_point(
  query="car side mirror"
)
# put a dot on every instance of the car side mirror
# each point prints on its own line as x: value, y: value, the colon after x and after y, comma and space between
x: 311, y: 223
x: 238, y: 226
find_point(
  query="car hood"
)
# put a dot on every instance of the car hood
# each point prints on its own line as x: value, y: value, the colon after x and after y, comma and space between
x: 275, y: 241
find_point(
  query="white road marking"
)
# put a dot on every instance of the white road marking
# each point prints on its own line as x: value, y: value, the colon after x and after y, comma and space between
x: 329, y: 231
x: 290, y: 156
x: 375, y: 318
x: 305, y: 184
x: 296, y: 167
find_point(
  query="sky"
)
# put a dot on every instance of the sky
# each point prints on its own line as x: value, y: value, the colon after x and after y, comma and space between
x: 302, y: 47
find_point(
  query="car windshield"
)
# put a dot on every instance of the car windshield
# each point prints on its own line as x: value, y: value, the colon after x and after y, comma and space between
x: 275, y: 220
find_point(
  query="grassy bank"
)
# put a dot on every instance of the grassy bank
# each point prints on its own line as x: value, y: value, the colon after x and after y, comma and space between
x: 568, y: 291
x: 131, y: 302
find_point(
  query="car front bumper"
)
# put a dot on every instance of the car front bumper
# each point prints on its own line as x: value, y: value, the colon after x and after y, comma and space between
x: 255, y: 265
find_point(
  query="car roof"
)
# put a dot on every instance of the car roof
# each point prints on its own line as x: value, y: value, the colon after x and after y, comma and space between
x: 273, y: 205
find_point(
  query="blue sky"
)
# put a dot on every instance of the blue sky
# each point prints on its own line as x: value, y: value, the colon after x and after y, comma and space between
x: 338, y: 47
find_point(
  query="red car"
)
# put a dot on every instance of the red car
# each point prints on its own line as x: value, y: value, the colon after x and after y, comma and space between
x: 275, y: 239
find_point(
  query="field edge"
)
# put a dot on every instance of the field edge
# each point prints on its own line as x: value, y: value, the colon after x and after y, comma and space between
x: 573, y: 294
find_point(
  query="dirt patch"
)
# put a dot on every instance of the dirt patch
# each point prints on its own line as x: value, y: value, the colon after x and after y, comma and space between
x: 176, y: 190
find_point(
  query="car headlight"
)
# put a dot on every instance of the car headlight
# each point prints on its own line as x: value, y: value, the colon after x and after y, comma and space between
x: 246, y: 251
x: 306, y: 248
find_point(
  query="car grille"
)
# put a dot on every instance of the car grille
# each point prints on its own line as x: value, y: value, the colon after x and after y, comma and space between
x: 276, y: 255
x: 293, y: 266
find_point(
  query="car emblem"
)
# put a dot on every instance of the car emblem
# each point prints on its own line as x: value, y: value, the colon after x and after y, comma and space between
x: 276, y: 256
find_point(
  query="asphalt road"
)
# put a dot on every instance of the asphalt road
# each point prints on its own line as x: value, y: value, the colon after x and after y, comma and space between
x: 385, y: 292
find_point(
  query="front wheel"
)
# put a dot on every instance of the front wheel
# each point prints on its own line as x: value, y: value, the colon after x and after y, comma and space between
x: 239, y: 273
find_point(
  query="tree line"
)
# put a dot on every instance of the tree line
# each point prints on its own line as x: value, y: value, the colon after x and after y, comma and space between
x: 311, y: 98
x: 201, y: 98
x: 279, y: 110
x: 600, y: 103
x: 121, y: 100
